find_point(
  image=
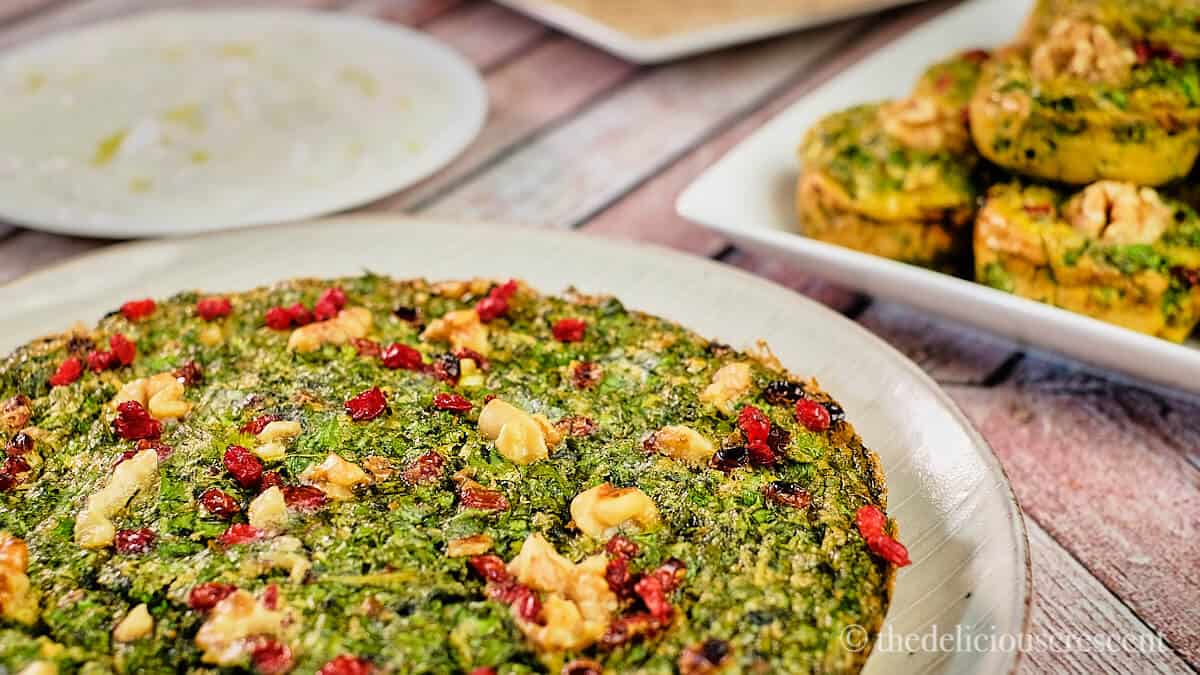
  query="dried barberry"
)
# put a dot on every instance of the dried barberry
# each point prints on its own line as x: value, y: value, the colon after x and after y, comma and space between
x: 204, y: 597
x: 137, y: 309
x: 277, y: 318
x: 98, y: 361
x: 576, y: 425
x: 219, y: 504
x: 620, y: 578
x: 304, y: 497
x: 214, y: 307
x: 787, y: 494
x: 271, y: 657
x: 480, y: 360
x: 729, y: 458
x: 569, y: 330
x: 398, y: 355
x: 333, y: 295
x: 21, y: 443
x: 365, y: 347
x: 628, y: 628
x: 190, y: 373
x: 836, y: 414
x: 240, y: 533
x: 367, y: 405
x: 447, y: 368
x: 425, y: 469
x: 347, y: 665
x: 872, y: 525
x: 472, y: 495
x: 134, y: 542
x: 650, y: 589
x: 324, y: 310
x: 68, y: 371
x: 451, y: 402
x: 756, y: 428
x: 783, y: 392
x: 13, y: 472
x: 495, y: 304
x: 299, y: 314
x: 812, y: 415
x: 406, y: 313
x: 245, y: 468
x: 586, y: 375
x: 134, y: 422
x: 490, y: 568
x: 706, y: 658
x: 255, y: 426
x: 161, y: 449
x: 269, y: 480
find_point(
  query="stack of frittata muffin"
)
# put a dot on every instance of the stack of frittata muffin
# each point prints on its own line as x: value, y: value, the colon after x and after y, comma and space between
x: 1060, y: 162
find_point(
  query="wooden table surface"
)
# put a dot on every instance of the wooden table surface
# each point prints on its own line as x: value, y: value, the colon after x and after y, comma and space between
x: 1108, y: 473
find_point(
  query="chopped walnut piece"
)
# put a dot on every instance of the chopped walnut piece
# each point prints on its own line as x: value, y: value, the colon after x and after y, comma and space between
x: 137, y: 624
x: 234, y: 627
x: 93, y: 524
x: 681, y: 443
x: 462, y: 329
x: 729, y: 383
x: 17, y: 601
x: 1120, y: 213
x: 336, y: 477
x: 349, y: 324
x: 476, y: 544
x: 921, y: 123
x: 161, y: 395
x: 522, y: 438
x: 15, y: 413
x: 601, y: 511
x: 1082, y: 50
x: 579, y: 605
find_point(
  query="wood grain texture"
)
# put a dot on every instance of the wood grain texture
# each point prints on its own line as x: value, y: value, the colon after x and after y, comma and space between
x: 407, y: 12
x: 782, y: 273
x: 527, y: 94
x: 647, y: 213
x: 1078, y: 627
x: 13, y: 10
x: 576, y: 169
x: 951, y: 353
x: 1096, y: 463
x: 486, y: 33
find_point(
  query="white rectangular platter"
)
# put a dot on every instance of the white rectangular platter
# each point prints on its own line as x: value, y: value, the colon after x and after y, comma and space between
x: 748, y: 197
x: 639, y: 49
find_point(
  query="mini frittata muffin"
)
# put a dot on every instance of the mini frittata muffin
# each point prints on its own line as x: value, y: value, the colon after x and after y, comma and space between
x: 367, y: 475
x: 1114, y: 251
x: 896, y: 179
x: 1172, y: 25
x: 1083, y: 105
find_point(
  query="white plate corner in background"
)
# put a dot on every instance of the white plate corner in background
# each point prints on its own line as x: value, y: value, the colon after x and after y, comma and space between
x: 651, y: 50
x: 747, y: 196
x: 173, y: 122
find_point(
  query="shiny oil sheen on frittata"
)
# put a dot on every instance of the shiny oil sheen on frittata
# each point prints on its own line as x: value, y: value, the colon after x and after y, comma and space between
x: 775, y: 583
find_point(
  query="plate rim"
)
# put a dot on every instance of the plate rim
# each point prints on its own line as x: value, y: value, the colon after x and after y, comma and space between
x: 466, y: 75
x: 647, y: 51
x: 980, y: 445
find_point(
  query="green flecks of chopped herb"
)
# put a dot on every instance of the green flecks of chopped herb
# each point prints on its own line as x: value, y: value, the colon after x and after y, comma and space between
x: 1133, y: 258
x: 997, y: 277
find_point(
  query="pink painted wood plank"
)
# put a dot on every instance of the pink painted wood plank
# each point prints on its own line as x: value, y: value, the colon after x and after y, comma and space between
x: 407, y: 12
x: 951, y: 353
x: 548, y: 83
x: 784, y: 274
x: 572, y: 171
x: 1071, y: 607
x: 14, y: 10
x: 486, y: 33
x: 1099, y: 465
x: 648, y: 212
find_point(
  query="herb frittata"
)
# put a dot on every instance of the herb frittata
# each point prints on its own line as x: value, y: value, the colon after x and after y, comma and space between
x: 1084, y: 104
x: 896, y: 179
x: 1113, y: 251
x: 370, y: 475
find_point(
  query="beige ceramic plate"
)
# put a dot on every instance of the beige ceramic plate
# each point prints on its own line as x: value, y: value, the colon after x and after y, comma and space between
x: 650, y: 31
x: 956, y: 511
x: 178, y: 122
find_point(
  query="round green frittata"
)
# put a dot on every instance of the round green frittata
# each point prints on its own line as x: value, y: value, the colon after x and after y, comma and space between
x: 370, y: 475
